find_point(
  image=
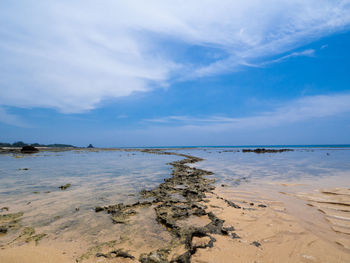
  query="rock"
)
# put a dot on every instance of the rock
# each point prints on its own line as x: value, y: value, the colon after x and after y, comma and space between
x: 232, y: 204
x: 10, y: 217
x: 263, y: 150
x: 235, y: 236
x: 90, y: 146
x: 64, y: 187
x: 159, y: 256
x: 115, y: 254
x: 5, y: 208
x: 256, y: 243
x: 3, y: 230
x: 29, y: 149
x: 177, y: 198
x: 200, y: 242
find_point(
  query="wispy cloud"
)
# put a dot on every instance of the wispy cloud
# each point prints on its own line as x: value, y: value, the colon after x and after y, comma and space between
x: 71, y: 55
x: 306, y: 108
x: 188, y: 120
x: 305, y: 53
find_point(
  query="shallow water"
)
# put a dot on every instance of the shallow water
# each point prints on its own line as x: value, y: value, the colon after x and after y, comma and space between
x: 297, y: 180
x: 29, y: 183
x: 106, y: 172
x: 230, y: 164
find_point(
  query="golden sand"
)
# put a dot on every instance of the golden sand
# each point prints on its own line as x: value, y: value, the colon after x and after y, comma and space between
x: 279, y: 235
x: 274, y: 233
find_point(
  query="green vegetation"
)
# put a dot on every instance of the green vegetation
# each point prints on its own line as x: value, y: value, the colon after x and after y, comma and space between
x: 9, y: 217
x: 21, y: 144
x: 28, y: 235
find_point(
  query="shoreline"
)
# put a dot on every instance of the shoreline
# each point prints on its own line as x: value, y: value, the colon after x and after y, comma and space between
x: 203, y: 222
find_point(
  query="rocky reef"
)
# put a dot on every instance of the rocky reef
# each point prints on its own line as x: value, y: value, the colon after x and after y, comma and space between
x: 178, y: 198
x: 263, y: 150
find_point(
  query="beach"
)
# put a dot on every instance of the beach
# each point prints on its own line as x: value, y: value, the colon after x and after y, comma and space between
x: 176, y: 205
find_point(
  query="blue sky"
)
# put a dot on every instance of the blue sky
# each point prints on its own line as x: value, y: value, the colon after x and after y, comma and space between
x: 130, y: 73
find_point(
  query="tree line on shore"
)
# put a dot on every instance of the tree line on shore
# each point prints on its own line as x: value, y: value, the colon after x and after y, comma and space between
x: 22, y: 144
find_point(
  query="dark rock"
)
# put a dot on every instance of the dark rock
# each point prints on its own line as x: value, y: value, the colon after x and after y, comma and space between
x: 256, y: 243
x: 261, y: 205
x: 29, y: 149
x: 98, y: 255
x: 65, y: 187
x: 115, y: 254
x: 177, y: 198
x: 230, y: 203
x: 3, y: 230
x: 184, y: 258
x: 235, y: 236
x: 263, y: 150
x: 98, y: 209
x: 90, y: 146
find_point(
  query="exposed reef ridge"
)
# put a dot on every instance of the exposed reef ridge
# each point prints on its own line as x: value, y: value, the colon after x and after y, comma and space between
x: 179, y: 197
x: 263, y: 150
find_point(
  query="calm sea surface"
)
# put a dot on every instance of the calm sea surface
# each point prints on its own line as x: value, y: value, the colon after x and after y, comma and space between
x: 30, y: 183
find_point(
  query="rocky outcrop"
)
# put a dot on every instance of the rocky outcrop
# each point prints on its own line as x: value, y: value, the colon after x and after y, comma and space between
x: 263, y: 150
x: 29, y: 149
x: 177, y: 198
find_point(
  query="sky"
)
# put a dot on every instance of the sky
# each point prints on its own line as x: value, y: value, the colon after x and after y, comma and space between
x: 175, y: 73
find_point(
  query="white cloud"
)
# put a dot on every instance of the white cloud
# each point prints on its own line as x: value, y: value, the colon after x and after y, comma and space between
x: 305, y: 53
x: 70, y: 55
x: 306, y: 108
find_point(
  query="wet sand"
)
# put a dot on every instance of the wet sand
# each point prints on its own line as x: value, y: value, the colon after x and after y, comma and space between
x: 192, y: 221
x: 273, y: 233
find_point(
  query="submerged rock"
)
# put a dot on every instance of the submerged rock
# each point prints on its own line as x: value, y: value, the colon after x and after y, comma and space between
x: 263, y: 150
x: 9, y: 217
x: 29, y: 149
x: 64, y: 187
x: 5, y: 208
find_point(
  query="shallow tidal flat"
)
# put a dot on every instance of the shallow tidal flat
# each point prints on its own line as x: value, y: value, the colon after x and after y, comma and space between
x: 170, y: 206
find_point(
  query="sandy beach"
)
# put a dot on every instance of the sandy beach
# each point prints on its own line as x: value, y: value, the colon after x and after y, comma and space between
x: 189, y: 217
